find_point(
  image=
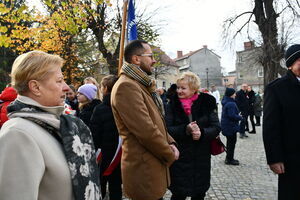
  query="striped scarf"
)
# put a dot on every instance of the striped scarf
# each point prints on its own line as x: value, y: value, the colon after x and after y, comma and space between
x: 139, y: 75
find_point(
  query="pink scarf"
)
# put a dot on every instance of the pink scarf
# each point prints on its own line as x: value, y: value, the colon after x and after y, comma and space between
x: 187, y: 104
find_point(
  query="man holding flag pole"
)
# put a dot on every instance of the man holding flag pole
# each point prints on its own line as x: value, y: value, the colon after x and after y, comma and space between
x: 147, y: 149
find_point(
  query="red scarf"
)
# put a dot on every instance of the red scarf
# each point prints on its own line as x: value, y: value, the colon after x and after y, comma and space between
x: 187, y: 103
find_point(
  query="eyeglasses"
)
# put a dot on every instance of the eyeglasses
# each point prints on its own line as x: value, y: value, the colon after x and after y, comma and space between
x: 147, y: 55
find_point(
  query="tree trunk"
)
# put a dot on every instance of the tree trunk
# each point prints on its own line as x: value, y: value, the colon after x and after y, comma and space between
x: 98, y: 27
x: 266, y: 19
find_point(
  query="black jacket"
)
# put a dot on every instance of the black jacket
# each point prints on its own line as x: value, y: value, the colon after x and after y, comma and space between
x: 281, y: 133
x: 257, y: 106
x: 190, y: 175
x: 104, y: 131
x: 86, y: 112
x: 74, y: 105
x: 242, y: 101
x: 251, y: 96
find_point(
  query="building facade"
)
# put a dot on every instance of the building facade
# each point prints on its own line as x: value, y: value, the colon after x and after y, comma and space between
x: 203, y: 62
x: 229, y: 80
x: 166, y: 71
x: 249, y: 68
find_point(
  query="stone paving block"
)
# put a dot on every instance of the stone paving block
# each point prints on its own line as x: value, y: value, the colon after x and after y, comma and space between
x: 251, y: 180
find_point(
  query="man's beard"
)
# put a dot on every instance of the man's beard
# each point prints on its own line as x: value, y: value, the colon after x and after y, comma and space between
x: 143, y: 67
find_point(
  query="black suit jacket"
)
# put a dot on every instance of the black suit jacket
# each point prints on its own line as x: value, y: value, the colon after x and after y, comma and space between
x: 281, y: 131
x: 242, y: 101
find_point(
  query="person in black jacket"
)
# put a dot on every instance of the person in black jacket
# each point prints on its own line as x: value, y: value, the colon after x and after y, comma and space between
x: 87, y: 102
x: 242, y: 101
x: 251, y: 96
x: 162, y: 93
x: 281, y: 126
x: 171, y: 92
x: 257, y: 108
x: 106, y: 137
x: 192, y: 120
x: 71, y: 99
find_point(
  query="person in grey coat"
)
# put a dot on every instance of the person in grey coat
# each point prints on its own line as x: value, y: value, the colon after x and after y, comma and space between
x: 44, y: 154
x: 257, y: 108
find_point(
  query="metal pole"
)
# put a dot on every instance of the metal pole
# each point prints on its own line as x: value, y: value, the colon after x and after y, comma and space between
x: 207, y: 84
x: 124, y: 19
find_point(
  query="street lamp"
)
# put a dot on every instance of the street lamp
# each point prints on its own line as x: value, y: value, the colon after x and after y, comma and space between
x: 207, y: 84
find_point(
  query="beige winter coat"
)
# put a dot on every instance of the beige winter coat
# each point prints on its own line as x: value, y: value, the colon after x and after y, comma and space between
x: 146, y: 150
x: 32, y: 163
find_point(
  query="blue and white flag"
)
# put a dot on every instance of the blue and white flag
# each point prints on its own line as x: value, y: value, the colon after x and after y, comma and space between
x: 131, y: 23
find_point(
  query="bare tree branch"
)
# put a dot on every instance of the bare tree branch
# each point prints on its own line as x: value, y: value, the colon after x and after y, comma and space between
x: 233, y: 19
x: 286, y: 7
x: 239, y: 30
x: 292, y: 8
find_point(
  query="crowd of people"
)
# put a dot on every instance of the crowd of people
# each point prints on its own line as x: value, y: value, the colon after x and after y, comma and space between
x: 124, y: 134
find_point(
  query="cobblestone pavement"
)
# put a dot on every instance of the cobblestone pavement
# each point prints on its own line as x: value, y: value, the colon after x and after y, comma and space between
x: 251, y: 180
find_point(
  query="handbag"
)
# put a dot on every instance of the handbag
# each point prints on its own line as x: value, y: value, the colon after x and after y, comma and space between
x: 216, y: 146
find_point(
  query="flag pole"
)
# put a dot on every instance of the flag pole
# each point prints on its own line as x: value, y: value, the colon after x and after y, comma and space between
x: 124, y: 19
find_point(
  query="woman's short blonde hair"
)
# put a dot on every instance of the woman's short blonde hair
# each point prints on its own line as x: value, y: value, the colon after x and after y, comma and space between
x: 33, y: 65
x: 192, y: 79
x: 92, y: 80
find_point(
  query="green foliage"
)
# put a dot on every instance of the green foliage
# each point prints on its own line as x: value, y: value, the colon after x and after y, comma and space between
x: 148, y: 32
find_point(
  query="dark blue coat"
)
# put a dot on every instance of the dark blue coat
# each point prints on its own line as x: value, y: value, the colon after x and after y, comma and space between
x: 230, y: 117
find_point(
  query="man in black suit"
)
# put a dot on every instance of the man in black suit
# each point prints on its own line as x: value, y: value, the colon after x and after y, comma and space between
x: 281, y: 131
x: 242, y: 101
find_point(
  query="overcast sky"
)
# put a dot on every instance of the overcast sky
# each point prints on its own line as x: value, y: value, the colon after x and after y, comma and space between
x: 190, y: 24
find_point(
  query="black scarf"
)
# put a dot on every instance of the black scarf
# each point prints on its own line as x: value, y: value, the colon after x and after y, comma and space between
x: 78, y: 147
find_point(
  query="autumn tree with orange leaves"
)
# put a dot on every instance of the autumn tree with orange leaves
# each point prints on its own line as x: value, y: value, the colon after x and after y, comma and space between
x: 22, y: 30
x: 62, y: 28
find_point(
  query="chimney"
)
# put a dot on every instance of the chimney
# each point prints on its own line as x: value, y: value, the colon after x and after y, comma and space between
x: 179, y: 54
x: 248, y: 45
x: 205, y: 46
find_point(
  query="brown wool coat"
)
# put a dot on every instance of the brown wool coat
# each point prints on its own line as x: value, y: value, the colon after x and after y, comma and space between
x: 146, y: 155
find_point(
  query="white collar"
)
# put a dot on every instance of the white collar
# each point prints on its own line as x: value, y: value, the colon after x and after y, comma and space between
x: 56, y: 110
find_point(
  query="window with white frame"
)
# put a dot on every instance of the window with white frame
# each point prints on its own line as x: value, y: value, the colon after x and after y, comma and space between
x: 260, y: 72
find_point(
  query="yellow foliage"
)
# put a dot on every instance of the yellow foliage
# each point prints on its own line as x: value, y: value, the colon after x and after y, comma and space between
x: 3, y: 29
x: 23, y: 30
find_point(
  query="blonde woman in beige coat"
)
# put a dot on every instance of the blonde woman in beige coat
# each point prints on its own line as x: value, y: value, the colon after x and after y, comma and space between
x: 42, y: 154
